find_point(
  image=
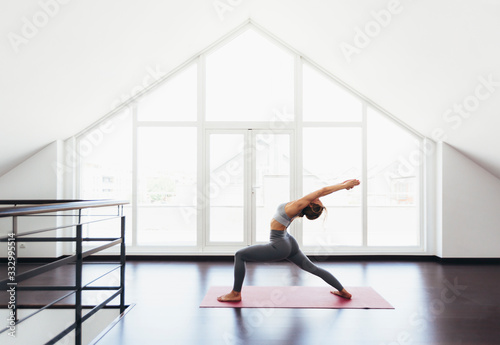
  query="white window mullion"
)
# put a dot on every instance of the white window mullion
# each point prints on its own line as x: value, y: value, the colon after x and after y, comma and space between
x: 332, y: 124
x: 243, y: 125
x: 423, y: 181
x: 134, y: 173
x: 249, y: 191
x: 72, y: 145
x: 296, y: 166
x: 364, y: 179
x: 201, y: 199
x: 205, y: 193
x: 167, y: 123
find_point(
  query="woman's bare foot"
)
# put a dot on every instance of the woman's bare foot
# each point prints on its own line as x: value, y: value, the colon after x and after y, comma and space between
x: 343, y: 293
x: 233, y: 296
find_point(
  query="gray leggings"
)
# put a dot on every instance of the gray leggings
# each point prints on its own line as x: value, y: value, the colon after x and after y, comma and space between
x: 282, y: 246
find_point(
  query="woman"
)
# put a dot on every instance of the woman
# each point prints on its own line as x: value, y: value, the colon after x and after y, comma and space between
x: 283, y: 246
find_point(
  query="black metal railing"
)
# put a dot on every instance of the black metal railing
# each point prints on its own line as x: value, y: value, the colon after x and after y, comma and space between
x: 30, y: 208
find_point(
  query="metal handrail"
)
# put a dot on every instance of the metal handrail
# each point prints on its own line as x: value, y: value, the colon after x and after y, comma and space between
x: 36, y: 201
x: 38, y: 207
x: 54, y: 206
x: 27, y: 233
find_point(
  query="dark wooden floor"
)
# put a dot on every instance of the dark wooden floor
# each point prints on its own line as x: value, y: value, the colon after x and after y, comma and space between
x: 435, y: 303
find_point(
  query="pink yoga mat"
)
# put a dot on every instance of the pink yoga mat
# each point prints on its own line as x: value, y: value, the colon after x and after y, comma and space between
x: 296, y: 297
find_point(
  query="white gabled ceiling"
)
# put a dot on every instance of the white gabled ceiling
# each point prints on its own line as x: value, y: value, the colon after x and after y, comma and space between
x: 426, y: 60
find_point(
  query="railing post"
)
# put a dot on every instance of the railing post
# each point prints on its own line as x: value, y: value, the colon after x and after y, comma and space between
x: 122, y: 264
x: 78, y: 281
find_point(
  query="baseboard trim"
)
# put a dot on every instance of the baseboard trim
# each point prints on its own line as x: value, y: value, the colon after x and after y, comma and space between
x: 468, y: 260
x: 230, y: 258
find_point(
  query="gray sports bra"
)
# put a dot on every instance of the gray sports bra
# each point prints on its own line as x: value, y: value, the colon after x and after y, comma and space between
x: 281, y: 217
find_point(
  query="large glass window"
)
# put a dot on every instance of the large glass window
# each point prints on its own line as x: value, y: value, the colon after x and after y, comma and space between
x: 226, y: 190
x: 105, y: 154
x: 173, y: 100
x: 324, y: 100
x: 166, y: 188
x: 249, y: 79
x: 211, y: 163
x: 331, y: 156
x: 272, y: 179
x: 393, y: 183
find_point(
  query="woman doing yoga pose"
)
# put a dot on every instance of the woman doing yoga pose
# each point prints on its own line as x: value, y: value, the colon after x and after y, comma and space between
x: 283, y: 246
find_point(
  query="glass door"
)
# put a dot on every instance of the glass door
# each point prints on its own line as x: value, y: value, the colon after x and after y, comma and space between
x: 226, y: 192
x: 248, y: 175
x: 271, y: 179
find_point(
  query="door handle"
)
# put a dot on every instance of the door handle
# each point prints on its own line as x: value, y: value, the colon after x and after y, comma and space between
x: 254, y: 188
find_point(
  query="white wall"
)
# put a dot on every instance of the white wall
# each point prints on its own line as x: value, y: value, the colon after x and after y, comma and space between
x: 85, y: 51
x: 35, y: 178
x: 469, y: 200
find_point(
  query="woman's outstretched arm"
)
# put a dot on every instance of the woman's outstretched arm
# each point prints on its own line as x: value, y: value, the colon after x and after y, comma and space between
x: 298, y: 205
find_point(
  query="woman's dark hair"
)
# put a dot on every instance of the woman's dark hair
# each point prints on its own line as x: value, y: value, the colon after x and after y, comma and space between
x: 312, y: 211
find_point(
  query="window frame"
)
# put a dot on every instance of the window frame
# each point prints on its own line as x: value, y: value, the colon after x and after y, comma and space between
x: 296, y: 127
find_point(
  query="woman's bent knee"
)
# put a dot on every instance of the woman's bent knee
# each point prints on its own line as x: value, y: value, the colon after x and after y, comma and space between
x: 239, y: 254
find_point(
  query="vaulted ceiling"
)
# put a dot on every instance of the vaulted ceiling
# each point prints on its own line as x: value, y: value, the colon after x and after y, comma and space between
x: 431, y: 64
